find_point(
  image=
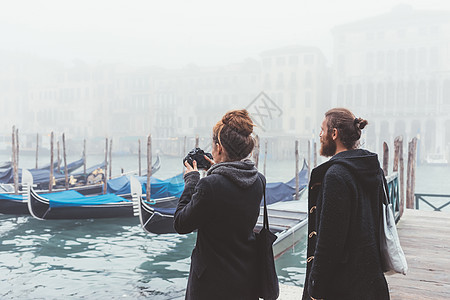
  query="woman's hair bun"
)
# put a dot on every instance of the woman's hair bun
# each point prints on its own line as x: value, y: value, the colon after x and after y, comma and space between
x: 239, y: 121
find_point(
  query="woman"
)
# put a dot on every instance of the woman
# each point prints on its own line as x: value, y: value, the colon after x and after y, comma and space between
x: 223, y: 207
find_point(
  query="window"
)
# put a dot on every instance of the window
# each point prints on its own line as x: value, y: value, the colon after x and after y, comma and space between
x: 308, y: 59
x: 307, y: 99
x: 281, y: 61
x: 307, y: 123
x: 292, y: 123
x: 308, y: 79
x: 267, y: 62
x: 293, y: 61
x: 280, y: 81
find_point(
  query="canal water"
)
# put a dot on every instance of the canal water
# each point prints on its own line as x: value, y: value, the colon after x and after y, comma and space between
x: 115, y: 258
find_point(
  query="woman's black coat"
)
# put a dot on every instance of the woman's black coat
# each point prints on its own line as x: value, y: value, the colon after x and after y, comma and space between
x: 343, y: 256
x: 223, y: 262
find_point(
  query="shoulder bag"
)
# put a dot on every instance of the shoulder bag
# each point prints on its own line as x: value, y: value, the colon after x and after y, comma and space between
x: 268, y: 279
x: 393, y: 259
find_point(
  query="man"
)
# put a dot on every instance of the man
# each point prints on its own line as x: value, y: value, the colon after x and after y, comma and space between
x: 344, y: 200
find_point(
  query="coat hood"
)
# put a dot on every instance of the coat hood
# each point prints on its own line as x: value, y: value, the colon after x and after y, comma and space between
x: 243, y: 172
x: 362, y: 163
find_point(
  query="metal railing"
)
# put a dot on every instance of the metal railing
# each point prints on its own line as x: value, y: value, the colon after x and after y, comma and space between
x: 421, y: 197
x: 394, y: 195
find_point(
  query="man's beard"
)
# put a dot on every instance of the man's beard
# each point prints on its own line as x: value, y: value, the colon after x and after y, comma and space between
x: 328, y: 146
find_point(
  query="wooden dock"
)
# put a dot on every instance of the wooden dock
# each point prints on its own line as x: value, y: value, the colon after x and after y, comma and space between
x: 425, y: 239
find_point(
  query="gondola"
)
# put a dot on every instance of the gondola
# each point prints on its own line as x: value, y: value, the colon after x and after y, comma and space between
x: 124, y: 203
x: 16, y: 204
x: 158, y: 217
x: 72, y: 205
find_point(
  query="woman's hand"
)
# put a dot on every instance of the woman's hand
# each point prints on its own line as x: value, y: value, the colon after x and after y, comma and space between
x: 189, y: 168
x: 210, y: 160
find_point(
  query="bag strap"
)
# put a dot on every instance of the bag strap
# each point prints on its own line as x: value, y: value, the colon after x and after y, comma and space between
x: 266, y: 217
x: 386, y: 199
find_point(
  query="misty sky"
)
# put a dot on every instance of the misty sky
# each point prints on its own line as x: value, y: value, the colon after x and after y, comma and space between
x: 174, y: 33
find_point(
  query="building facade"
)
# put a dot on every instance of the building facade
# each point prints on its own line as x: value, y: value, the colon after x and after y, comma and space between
x: 394, y: 70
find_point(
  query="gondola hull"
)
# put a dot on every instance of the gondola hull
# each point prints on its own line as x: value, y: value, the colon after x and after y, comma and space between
x: 13, y: 207
x: 158, y: 217
x: 40, y: 208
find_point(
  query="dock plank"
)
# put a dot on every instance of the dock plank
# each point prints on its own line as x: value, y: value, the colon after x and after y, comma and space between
x: 425, y: 239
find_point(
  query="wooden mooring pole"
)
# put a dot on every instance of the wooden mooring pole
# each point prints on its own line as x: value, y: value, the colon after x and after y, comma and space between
x: 315, y: 154
x: 398, y: 160
x: 66, y: 172
x: 411, y: 174
x: 110, y: 158
x: 196, y: 141
x: 58, y: 158
x: 50, y: 183
x: 256, y: 152
x: 14, y: 162
x: 139, y: 157
x: 149, y: 165
x: 309, y: 158
x: 84, y: 156
x: 37, y: 149
x: 265, y: 156
x: 385, y: 159
x: 297, y: 186
x: 17, y: 152
x: 105, y: 174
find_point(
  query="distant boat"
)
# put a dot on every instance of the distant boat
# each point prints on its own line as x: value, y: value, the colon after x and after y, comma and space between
x: 158, y: 217
x: 436, y: 159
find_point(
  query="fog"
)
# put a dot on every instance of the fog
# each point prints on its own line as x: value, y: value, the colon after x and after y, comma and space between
x: 125, y: 69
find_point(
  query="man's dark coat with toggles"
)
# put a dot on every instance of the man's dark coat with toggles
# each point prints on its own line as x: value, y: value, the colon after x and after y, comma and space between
x: 343, y: 256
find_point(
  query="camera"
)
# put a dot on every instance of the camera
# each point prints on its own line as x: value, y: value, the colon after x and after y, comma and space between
x: 197, y: 154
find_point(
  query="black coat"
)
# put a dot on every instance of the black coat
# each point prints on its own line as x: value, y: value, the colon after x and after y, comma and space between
x: 223, y: 262
x: 343, y: 256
